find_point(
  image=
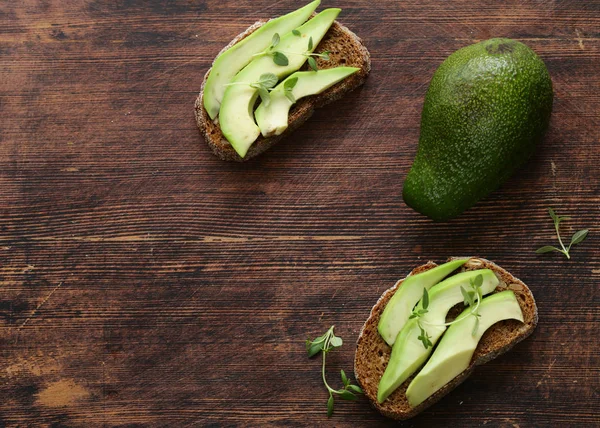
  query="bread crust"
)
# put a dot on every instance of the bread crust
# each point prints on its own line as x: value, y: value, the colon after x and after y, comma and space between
x: 372, y: 353
x: 346, y: 48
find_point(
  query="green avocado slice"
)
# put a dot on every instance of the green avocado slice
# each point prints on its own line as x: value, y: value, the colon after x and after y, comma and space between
x: 408, y: 352
x: 272, y: 118
x: 230, y: 62
x: 236, y: 117
x: 453, y: 354
x: 398, y: 309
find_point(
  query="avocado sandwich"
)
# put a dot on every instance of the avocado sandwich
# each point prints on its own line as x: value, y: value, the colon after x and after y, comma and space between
x: 269, y: 80
x: 426, y: 334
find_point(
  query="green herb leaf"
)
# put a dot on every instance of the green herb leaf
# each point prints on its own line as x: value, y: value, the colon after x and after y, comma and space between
x: 425, y: 299
x: 579, y: 236
x: 290, y: 83
x: 344, y: 378
x: 330, y: 405
x: 325, y: 55
x: 347, y: 395
x: 336, y: 342
x: 268, y: 80
x: 310, y: 43
x: 312, y: 63
x: 275, y: 40
x: 313, y: 348
x: 466, y: 297
x: 427, y: 343
x: 478, y: 280
x: 264, y: 95
x: 296, y: 33
x: 290, y: 96
x: 552, y: 214
x: 355, y: 388
x: 412, y: 316
x: 424, y: 337
x: 288, y: 87
x: 546, y: 249
x: 280, y: 59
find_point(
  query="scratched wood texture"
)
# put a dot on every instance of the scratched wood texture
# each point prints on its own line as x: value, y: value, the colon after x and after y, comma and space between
x: 143, y: 282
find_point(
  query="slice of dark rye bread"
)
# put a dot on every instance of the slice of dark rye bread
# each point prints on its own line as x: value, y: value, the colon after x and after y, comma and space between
x: 346, y: 49
x: 372, y: 353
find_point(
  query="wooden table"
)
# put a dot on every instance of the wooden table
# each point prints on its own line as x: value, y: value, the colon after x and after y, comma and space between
x: 146, y: 282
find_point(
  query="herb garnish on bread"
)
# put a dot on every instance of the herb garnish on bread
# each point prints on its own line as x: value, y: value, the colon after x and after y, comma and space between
x: 339, y: 47
x: 373, y: 353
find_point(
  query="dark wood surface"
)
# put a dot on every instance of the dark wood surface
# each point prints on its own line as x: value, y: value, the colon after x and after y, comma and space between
x: 144, y: 282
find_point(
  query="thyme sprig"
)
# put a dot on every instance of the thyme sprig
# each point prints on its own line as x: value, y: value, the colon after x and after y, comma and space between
x: 324, y: 344
x: 280, y: 58
x: 424, y: 337
x: 472, y: 298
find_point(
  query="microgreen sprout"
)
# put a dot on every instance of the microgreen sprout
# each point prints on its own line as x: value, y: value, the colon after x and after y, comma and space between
x: 577, y: 237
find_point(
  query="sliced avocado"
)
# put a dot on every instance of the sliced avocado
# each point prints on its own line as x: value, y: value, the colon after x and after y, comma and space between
x: 230, y: 62
x: 272, y: 118
x: 453, y: 354
x: 236, y: 118
x: 408, y: 352
x: 398, y: 309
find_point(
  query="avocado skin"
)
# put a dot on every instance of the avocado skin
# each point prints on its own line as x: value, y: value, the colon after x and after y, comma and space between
x: 487, y: 107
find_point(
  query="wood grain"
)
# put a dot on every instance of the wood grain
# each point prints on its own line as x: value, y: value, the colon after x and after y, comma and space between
x: 146, y: 283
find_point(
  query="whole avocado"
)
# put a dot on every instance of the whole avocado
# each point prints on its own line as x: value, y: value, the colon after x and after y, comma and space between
x: 487, y: 107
